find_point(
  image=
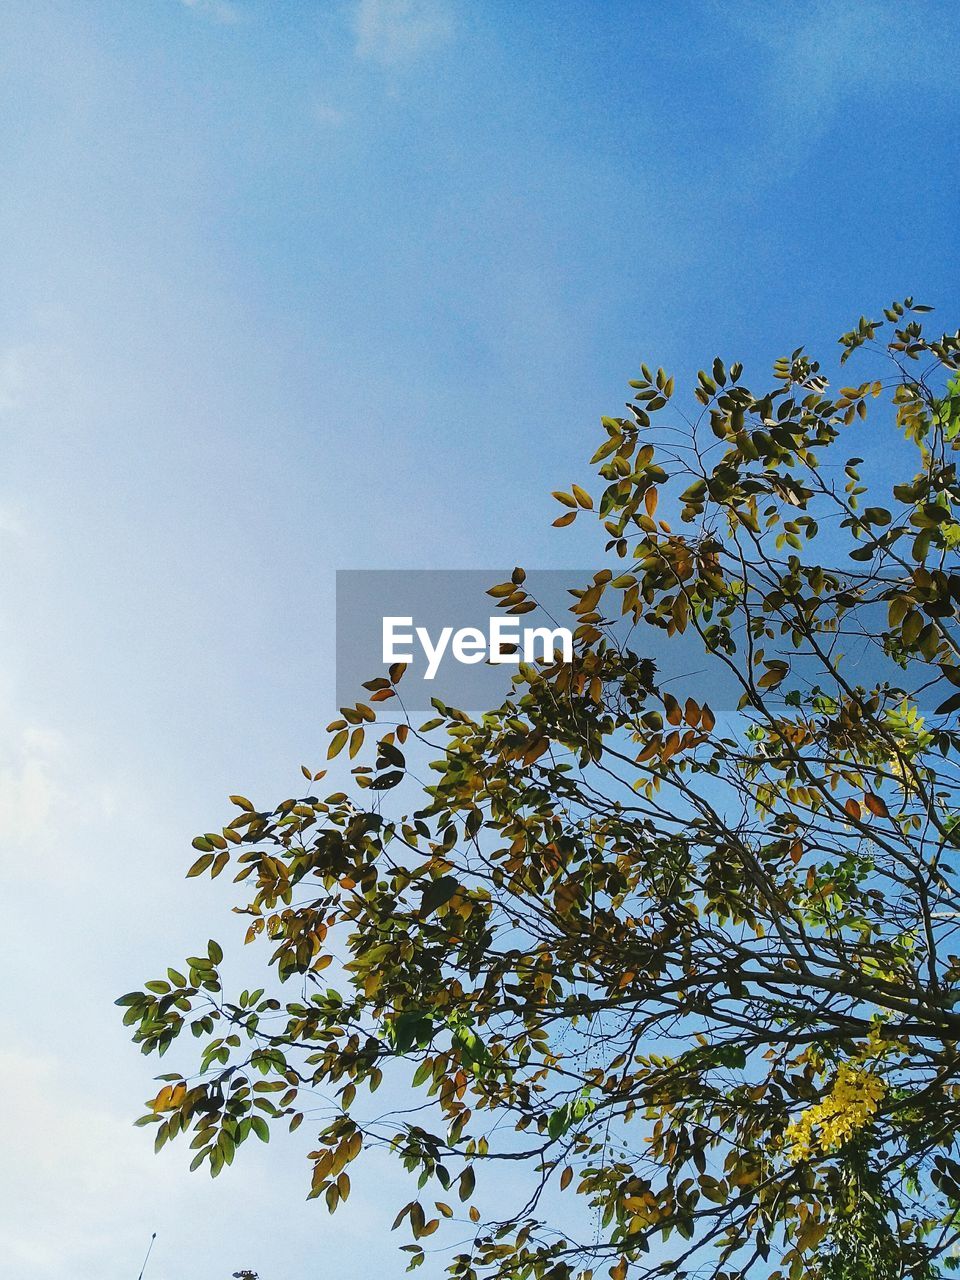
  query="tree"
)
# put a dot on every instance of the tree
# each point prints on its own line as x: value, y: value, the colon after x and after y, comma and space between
x: 695, y: 971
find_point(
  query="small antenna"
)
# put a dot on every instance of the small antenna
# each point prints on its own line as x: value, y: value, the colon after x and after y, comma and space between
x: 147, y: 1258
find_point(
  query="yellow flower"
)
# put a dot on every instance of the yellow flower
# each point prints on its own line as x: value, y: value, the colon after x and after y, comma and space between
x: 850, y: 1105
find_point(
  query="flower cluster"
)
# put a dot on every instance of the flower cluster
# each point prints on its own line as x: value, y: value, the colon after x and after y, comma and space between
x: 852, y: 1103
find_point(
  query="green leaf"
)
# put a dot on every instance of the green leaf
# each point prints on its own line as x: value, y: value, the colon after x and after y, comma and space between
x: 410, y: 1028
x: 468, y: 1180
x: 387, y: 781
x: 949, y: 706
x: 437, y: 893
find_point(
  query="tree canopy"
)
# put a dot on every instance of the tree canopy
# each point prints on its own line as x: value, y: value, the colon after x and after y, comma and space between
x: 696, y: 970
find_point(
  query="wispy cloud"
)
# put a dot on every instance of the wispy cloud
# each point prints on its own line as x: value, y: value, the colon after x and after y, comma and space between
x: 12, y: 523
x: 395, y: 32
x: 822, y: 57
x: 326, y: 114
x: 14, y: 366
x: 47, y: 798
x: 219, y: 10
x: 822, y: 64
x: 29, y: 789
x: 64, y: 1155
x: 37, y: 386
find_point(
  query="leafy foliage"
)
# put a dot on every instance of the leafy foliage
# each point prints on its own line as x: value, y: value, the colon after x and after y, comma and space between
x: 696, y: 970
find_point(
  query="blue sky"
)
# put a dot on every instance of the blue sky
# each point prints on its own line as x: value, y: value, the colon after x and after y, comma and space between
x: 297, y: 286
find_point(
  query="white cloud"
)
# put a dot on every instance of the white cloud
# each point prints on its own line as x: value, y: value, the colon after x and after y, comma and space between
x: 822, y: 59
x: 14, y: 367
x: 12, y: 523
x: 29, y: 788
x: 62, y: 1156
x: 40, y: 388
x: 219, y: 10
x: 326, y: 114
x: 394, y: 32
x: 49, y: 796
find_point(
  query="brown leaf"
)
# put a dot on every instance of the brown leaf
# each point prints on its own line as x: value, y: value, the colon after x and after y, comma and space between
x: 875, y: 805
